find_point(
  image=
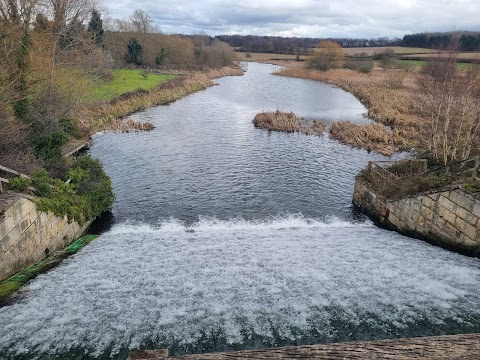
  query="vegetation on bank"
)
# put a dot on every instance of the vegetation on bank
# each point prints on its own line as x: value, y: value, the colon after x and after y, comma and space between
x: 403, y: 178
x: 126, y: 80
x: 57, y: 66
x: 83, y: 194
x: 15, y: 282
x: 434, y: 110
x: 287, y: 122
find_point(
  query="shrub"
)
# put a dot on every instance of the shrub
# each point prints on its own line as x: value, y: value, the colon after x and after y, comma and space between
x: 327, y: 55
x: 49, y: 146
x: 87, y: 195
x: 361, y: 65
x: 19, y: 183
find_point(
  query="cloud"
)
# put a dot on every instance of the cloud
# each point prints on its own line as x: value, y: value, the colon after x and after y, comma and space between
x: 312, y: 18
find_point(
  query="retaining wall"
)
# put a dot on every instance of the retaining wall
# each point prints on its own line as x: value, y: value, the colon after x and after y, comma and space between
x: 27, y: 235
x: 449, y: 218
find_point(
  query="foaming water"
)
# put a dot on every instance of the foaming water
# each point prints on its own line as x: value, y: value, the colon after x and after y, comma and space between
x: 220, y: 285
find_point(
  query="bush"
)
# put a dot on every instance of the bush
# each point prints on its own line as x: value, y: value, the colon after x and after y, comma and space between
x: 87, y: 195
x: 327, y: 55
x: 49, y: 146
x: 361, y: 65
x: 19, y: 183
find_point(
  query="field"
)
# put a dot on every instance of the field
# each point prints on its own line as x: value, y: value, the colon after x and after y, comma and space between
x: 398, y: 50
x: 126, y: 80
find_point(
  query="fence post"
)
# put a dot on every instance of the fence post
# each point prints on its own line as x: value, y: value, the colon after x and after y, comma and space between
x: 475, y: 168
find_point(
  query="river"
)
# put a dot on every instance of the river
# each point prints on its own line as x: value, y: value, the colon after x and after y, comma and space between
x: 228, y: 237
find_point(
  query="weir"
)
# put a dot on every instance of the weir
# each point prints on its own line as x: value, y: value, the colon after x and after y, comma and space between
x: 448, y: 216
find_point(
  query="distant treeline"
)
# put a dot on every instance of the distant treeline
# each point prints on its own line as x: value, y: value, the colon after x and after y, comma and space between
x: 292, y: 45
x: 468, y: 41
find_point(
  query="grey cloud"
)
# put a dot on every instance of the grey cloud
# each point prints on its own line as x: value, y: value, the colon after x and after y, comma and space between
x: 315, y: 18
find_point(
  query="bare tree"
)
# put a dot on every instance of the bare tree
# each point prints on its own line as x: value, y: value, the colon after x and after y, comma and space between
x: 449, y: 99
x: 18, y: 12
x: 64, y: 12
x: 141, y: 22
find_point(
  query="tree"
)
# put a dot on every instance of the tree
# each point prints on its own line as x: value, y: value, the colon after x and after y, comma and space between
x: 95, y: 26
x: 327, y: 55
x: 69, y: 11
x: 141, y: 22
x: 449, y: 99
x: 134, y: 52
x: 18, y: 12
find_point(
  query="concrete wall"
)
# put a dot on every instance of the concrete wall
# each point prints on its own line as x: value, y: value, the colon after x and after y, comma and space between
x: 27, y: 235
x: 449, y: 218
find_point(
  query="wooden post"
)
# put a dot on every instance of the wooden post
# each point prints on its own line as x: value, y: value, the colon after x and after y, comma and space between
x: 475, y: 168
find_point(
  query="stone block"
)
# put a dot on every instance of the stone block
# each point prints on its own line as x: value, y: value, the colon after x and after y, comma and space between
x: 476, y: 209
x: 6, y: 226
x: 426, y: 213
x: 421, y: 222
x: 24, y: 225
x: 446, y: 214
x: 446, y: 203
x: 451, y: 231
x: 468, y: 243
x: 467, y: 216
x: 466, y: 201
x: 428, y: 202
x: 10, y: 240
x: 466, y: 228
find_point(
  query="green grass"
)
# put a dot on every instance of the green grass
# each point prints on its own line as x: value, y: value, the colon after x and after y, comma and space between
x: 126, y: 80
x: 15, y: 282
x: 419, y: 63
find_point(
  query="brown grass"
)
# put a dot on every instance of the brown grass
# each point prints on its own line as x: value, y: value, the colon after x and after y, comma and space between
x: 388, y: 105
x: 109, y: 115
x: 373, y: 137
x: 287, y: 122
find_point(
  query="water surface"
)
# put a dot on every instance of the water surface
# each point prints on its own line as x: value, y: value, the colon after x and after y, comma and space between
x: 229, y: 237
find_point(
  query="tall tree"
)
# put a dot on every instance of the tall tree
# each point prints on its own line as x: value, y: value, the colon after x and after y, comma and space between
x: 95, y: 26
x: 141, y: 21
x: 134, y: 52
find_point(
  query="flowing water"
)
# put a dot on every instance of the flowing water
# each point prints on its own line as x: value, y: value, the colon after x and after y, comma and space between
x: 229, y: 237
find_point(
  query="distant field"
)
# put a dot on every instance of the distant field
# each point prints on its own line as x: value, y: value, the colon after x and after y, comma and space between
x: 398, y: 50
x: 462, y: 55
x: 125, y: 80
x: 242, y: 56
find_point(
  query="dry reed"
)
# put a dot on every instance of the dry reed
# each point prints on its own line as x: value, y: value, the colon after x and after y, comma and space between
x: 373, y: 137
x: 287, y: 122
x: 387, y: 105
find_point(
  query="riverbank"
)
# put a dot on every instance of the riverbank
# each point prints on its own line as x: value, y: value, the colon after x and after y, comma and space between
x: 108, y: 115
x: 396, y: 126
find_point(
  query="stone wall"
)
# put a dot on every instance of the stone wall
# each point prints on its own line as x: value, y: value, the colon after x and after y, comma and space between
x: 27, y: 234
x: 448, y: 218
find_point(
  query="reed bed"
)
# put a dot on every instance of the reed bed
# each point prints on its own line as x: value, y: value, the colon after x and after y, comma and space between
x: 386, y: 104
x: 373, y: 137
x: 107, y: 116
x: 287, y: 122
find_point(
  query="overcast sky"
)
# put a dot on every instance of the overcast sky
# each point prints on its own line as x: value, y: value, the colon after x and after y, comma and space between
x: 305, y: 18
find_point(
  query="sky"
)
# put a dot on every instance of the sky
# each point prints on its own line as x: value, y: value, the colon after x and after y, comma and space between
x: 305, y: 18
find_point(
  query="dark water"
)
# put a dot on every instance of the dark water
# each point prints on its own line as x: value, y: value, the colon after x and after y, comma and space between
x: 228, y: 237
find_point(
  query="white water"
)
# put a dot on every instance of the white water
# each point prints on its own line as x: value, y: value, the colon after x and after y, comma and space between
x: 277, y: 279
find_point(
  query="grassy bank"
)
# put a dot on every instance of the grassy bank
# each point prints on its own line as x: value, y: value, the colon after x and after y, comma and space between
x: 108, y: 115
x: 15, y: 282
x: 126, y: 80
